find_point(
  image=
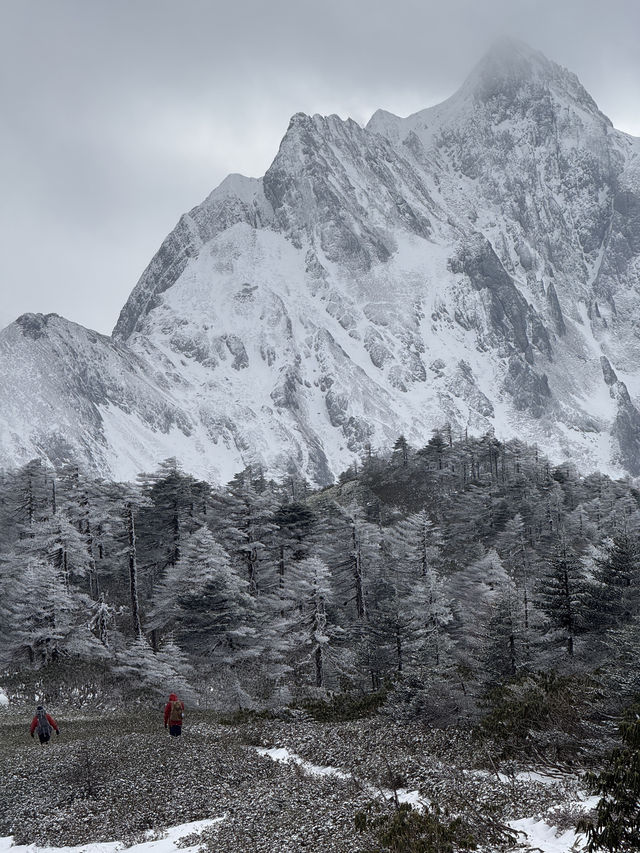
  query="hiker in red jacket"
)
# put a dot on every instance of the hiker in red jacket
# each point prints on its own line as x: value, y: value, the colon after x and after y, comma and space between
x: 173, y: 714
x: 44, y: 725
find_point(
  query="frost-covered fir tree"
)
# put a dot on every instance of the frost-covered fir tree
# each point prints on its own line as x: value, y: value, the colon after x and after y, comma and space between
x: 90, y: 506
x: 143, y: 673
x: 563, y: 596
x: 620, y: 669
x: 14, y: 597
x: 505, y: 651
x: 615, y: 595
x: 419, y: 545
x: 31, y: 497
x: 391, y: 622
x: 293, y: 538
x: 516, y: 556
x: 102, y: 621
x: 478, y: 587
x: 53, y: 613
x: 173, y: 505
x: 242, y: 519
x: 215, y: 618
x: 201, y: 557
x: 311, y: 633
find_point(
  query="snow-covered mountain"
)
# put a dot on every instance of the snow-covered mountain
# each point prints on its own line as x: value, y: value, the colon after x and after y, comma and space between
x: 476, y: 263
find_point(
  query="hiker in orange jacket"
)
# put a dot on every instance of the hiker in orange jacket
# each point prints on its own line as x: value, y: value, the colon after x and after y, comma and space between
x: 173, y: 714
x: 44, y: 724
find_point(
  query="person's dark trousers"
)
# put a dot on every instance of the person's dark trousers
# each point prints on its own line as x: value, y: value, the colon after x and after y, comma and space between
x: 175, y: 731
x: 44, y: 738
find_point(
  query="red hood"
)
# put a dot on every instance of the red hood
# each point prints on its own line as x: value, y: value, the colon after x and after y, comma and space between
x: 172, y: 697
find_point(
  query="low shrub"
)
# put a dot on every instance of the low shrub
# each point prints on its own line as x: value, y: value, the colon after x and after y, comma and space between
x: 616, y: 824
x: 406, y: 830
x: 344, y: 707
x: 542, y: 716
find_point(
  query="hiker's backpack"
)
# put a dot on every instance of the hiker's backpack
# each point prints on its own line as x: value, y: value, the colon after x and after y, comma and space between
x: 44, y: 728
x: 175, y: 714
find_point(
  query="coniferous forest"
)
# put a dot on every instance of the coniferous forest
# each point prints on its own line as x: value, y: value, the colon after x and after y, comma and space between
x: 455, y: 580
x: 462, y: 604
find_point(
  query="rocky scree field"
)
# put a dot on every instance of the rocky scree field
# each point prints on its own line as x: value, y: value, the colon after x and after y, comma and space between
x: 118, y: 777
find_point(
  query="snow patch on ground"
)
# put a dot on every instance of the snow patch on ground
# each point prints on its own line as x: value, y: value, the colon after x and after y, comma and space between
x: 543, y: 837
x: 285, y: 756
x: 538, y: 835
x: 547, y: 839
x: 169, y: 843
x: 4, y: 699
x: 522, y: 776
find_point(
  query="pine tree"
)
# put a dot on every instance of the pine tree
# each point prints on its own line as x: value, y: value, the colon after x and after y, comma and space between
x: 350, y: 546
x: 308, y: 624
x: 295, y: 523
x: 512, y: 546
x: 51, y: 614
x: 141, y: 672
x: 621, y: 669
x: 504, y: 647
x: 420, y: 543
x: 132, y: 554
x: 215, y: 618
x: 88, y: 505
x: 172, y: 506
x: 14, y: 597
x: 616, y: 592
x: 199, y: 562
x: 478, y: 587
x: 243, y: 522
x: 172, y: 657
x: 391, y: 616
x: 431, y: 645
x: 401, y: 450
x: 31, y: 498
x: 562, y: 595
x: 54, y: 612
x: 102, y: 620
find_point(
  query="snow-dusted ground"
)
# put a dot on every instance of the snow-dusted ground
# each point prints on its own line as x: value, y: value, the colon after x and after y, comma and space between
x: 167, y: 843
x: 542, y: 837
x: 286, y: 756
x: 263, y: 804
x: 537, y: 834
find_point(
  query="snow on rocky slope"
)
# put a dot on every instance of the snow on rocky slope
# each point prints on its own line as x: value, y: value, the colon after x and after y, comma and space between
x: 477, y: 263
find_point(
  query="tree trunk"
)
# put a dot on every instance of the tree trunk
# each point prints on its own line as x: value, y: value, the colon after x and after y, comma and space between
x: 133, y: 573
x: 361, y: 607
x: 398, y: 649
x: 319, y: 667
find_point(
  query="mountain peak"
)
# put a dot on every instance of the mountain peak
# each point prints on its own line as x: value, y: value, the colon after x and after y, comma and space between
x: 510, y: 79
x: 512, y: 52
x: 511, y: 65
x: 469, y: 264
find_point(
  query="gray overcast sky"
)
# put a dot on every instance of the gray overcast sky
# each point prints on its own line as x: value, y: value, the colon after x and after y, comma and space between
x: 119, y: 115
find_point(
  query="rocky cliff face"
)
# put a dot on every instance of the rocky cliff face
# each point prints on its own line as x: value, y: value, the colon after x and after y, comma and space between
x: 477, y: 263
